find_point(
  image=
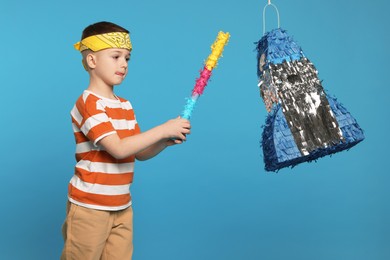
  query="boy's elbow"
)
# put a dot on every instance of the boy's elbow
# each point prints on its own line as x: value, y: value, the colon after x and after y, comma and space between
x: 140, y: 157
x: 112, y: 145
x: 117, y: 154
x: 120, y: 154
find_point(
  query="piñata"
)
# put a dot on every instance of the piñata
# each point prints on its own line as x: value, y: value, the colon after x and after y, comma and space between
x: 303, y: 122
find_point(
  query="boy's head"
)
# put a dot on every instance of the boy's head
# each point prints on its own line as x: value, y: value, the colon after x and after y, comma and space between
x: 100, y: 36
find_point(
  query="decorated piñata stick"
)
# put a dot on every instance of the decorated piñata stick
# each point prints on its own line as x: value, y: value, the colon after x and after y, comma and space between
x: 205, y: 73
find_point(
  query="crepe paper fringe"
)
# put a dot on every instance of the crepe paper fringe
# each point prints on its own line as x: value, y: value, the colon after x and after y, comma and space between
x: 201, y: 82
x: 216, y: 50
x: 189, y: 107
x: 279, y: 147
x: 277, y: 46
x: 304, y: 105
x: 205, y: 74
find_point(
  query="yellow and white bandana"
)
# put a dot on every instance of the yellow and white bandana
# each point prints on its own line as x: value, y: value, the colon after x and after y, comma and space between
x: 103, y: 41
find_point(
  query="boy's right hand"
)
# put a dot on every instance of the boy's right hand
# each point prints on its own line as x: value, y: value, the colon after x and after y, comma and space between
x: 176, y: 129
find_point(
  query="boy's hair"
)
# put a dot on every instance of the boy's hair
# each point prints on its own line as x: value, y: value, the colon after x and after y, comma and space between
x: 100, y: 28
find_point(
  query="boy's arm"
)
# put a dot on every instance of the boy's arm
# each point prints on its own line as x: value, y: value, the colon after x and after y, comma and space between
x: 155, y: 139
x: 156, y: 148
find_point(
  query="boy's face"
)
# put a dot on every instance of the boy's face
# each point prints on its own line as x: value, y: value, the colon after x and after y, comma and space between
x: 111, y: 65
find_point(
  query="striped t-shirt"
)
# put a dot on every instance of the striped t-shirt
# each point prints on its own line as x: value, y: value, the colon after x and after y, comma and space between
x: 100, y: 181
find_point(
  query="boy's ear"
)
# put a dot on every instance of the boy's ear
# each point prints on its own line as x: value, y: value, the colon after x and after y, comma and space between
x: 91, y: 60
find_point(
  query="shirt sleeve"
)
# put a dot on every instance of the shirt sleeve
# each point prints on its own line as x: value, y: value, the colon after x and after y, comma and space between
x: 96, y: 124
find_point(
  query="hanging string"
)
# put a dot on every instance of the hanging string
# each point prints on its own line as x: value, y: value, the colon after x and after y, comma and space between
x: 277, y: 13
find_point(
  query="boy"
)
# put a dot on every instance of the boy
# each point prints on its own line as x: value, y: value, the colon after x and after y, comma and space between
x: 99, y: 217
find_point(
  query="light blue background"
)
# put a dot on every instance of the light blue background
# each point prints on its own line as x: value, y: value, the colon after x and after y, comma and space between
x: 209, y: 198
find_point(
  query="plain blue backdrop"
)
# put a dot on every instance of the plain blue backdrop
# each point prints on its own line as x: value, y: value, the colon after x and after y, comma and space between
x: 209, y: 198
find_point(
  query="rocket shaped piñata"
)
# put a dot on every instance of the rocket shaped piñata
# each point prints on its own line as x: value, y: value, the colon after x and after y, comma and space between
x: 303, y: 123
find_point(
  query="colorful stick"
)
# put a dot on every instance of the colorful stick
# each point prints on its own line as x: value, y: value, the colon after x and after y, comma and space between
x: 205, y: 74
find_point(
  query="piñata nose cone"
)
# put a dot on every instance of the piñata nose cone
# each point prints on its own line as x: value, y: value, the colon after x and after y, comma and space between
x: 303, y: 123
x: 277, y: 46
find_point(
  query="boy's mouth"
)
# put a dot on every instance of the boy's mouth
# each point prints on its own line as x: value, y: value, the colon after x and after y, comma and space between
x: 120, y: 74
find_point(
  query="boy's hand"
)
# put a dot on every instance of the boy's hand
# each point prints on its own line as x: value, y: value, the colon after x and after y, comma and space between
x: 175, y: 130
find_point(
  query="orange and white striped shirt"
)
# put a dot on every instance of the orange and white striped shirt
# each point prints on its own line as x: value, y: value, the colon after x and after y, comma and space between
x: 100, y: 181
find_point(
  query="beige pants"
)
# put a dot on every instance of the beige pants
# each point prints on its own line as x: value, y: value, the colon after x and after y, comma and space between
x: 97, y: 235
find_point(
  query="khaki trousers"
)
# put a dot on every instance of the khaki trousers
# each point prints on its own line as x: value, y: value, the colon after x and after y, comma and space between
x: 97, y: 235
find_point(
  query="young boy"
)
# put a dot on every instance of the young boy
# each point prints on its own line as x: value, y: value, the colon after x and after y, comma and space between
x: 99, y: 220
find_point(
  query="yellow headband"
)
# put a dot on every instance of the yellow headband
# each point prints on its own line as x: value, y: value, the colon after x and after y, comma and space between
x: 103, y: 41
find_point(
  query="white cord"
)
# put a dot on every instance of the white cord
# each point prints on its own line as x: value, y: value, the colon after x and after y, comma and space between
x: 277, y: 13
